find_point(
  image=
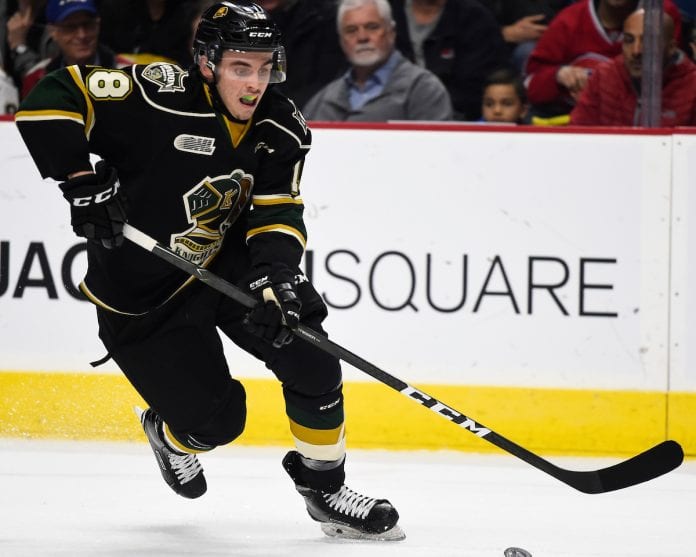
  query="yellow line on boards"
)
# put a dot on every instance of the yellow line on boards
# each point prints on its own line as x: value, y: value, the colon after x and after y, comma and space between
x: 552, y: 421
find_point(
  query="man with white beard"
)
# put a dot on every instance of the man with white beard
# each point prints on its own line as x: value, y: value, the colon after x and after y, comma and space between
x: 381, y: 84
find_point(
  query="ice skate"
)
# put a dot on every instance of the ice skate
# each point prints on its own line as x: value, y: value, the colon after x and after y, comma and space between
x: 345, y: 513
x: 182, y: 471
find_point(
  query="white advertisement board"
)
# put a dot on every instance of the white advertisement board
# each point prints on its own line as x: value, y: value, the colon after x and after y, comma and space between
x: 532, y: 259
x: 683, y: 300
x: 43, y: 326
x: 495, y: 258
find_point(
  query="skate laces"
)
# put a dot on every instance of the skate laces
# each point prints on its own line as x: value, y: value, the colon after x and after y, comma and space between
x: 185, y: 466
x: 348, y: 502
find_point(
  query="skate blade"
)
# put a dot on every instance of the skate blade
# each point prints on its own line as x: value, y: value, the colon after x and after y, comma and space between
x: 347, y: 533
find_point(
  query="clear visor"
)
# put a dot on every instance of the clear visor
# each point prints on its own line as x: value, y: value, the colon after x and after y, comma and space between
x: 253, y: 66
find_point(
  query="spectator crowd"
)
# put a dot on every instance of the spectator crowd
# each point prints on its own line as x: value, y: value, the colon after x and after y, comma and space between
x: 491, y: 61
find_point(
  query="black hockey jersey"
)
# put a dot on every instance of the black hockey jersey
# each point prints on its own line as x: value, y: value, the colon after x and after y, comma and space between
x: 190, y: 175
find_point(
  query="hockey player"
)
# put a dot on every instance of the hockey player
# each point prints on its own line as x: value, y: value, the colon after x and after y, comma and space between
x: 207, y: 161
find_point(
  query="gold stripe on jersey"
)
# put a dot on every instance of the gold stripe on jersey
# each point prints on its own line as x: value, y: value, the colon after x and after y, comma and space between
x: 279, y: 199
x: 282, y: 228
x: 236, y: 130
x: 41, y: 115
x: 97, y: 302
x: 77, y: 78
x: 208, y: 95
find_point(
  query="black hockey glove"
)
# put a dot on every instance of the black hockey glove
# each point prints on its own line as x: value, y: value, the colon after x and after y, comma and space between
x: 278, y: 310
x: 97, y: 207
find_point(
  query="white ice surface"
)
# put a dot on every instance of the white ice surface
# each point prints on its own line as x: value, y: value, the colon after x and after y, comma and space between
x: 108, y: 500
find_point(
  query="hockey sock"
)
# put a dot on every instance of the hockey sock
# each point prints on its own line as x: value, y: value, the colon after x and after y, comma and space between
x: 190, y: 446
x: 324, y: 475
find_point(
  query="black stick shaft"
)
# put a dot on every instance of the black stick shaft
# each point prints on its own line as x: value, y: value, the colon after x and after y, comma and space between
x: 645, y: 466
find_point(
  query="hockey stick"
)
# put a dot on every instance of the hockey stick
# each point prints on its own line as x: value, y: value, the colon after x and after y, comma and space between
x: 654, y: 462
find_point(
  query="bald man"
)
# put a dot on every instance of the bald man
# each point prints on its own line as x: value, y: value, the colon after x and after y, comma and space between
x: 613, y: 90
x: 632, y: 43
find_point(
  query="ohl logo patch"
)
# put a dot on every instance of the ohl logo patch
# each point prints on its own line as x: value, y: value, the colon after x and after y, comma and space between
x: 195, y: 144
x: 211, y: 207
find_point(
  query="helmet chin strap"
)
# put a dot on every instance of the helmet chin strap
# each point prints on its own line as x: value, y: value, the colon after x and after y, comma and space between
x: 209, y: 55
x: 213, y: 69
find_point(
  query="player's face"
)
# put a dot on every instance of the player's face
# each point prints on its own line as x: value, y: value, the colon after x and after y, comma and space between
x: 502, y: 104
x: 366, y: 38
x: 76, y: 37
x: 242, y: 79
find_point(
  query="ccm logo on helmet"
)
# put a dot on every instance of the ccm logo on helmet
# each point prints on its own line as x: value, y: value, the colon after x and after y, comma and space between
x: 260, y: 34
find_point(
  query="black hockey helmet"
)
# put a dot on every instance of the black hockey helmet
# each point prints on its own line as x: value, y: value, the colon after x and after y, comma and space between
x: 242, y: 26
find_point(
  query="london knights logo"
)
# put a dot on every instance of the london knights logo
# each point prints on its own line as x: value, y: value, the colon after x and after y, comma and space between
x: 169, y: 77
x: 211, y: 207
